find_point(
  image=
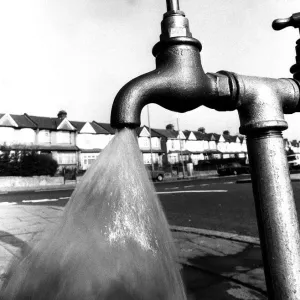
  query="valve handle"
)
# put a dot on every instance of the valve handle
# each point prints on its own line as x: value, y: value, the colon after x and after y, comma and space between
x: 293, y: 21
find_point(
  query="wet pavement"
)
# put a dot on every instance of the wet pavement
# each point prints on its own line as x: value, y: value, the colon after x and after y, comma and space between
x: 214, y: 265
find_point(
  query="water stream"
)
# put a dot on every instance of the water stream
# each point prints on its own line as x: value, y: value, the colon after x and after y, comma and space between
x: 113, y: 241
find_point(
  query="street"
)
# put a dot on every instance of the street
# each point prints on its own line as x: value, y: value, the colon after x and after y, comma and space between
x: 215, y: 204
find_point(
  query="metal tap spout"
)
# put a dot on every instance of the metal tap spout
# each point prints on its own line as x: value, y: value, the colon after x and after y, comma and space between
x: 178, y: 83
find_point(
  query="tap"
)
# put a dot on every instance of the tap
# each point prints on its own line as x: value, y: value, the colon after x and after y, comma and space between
x: 178, y: 83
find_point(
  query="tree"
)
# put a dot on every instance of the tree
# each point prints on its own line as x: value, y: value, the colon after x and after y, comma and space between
x: 289, y: 151
x: 170, y: 127
x: 26, y: 163
x: 38, y: 164
x: 226, y: 132
x: 4, y: 163
x: 201, y: 129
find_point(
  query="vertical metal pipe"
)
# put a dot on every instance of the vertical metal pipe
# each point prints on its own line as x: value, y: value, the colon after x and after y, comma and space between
x: 172, y: 5
x: 181, y: 156
x: 149, y: 125
x: 276, y: 214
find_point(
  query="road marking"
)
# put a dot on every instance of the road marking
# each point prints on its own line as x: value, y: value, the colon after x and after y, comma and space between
x: 45, y: 200
x: 188, y: 186
x: 173, y: 188
x: 49, y: 189
x: 8, y: 203
x: 194, y: 191
x: 204, y: 184
x: 39, y: 200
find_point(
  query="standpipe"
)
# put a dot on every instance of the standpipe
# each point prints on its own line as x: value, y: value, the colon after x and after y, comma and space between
x: 179, y: 84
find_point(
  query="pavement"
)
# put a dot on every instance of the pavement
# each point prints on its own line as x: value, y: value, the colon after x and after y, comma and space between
x: 214, y: 265
x: 294, y: 178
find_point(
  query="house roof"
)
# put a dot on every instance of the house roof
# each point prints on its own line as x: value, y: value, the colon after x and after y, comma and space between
x: 22, y: 121
x: 166, y: 133
x: 99, y: 129
x: 211, y: 136
x: 46, y: 122
x: 229, y: 138
x: 106, y: 127
x: 242, y: 138
x: 201, y: 136
x: 138, y: 130
x: 217, y: 136
x: 153, y: 132
x: 43, y: 122
x: 77, y: 124
x: 187, y: 133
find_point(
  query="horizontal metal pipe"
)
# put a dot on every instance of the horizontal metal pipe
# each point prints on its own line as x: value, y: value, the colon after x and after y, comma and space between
x: 276, y: 214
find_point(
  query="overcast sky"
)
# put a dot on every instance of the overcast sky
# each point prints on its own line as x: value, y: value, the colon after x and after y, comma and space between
x: 76, y: 54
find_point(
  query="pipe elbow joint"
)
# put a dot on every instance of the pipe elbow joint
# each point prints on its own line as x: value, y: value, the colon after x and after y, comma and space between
x: 178, y: 83
x: 262, y: 102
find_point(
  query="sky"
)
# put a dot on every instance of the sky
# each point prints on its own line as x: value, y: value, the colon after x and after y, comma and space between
x: 77, y: 54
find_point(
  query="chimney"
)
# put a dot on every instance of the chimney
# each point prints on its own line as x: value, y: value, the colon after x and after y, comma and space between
x: 62, y: 114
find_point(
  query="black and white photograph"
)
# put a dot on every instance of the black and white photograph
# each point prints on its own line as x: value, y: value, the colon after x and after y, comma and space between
x: 149, y: 150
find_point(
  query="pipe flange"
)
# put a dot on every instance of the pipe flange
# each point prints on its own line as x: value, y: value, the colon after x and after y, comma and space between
x: 182, y: 40
x: 262, y: 126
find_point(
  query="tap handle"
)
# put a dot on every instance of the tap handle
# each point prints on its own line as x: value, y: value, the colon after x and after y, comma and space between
x: 293, y: 21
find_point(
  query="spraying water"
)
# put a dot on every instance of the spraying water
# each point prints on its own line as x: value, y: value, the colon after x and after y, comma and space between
x: 113, y: 241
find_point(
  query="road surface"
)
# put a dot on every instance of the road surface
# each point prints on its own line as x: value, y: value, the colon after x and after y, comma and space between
x: 216, y: 204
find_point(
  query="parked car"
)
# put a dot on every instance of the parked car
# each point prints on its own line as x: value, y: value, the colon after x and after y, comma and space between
x: 157, y: 175
x: 294, y: 161
x: 233, y: 169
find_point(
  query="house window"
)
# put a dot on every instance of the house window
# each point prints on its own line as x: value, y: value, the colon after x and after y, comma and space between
x: 44, y: 136
x: 212, y: 145
x: 155, y: 143
x: 172, y: 144
x: 147, y: 158
x: 63, y: 137
x: 91, y: 160
x: 181, y: 144
x: 6, y: 135
x: 144, y: 142
x: 88, y: 159
x: 66, y: 158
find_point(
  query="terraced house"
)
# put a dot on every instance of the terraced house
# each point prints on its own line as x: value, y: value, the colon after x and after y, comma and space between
x: 91, y: 139
x: 72, y: 144
x: 55, y: 136
x: 76, y: 144
x: 150, y: 144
